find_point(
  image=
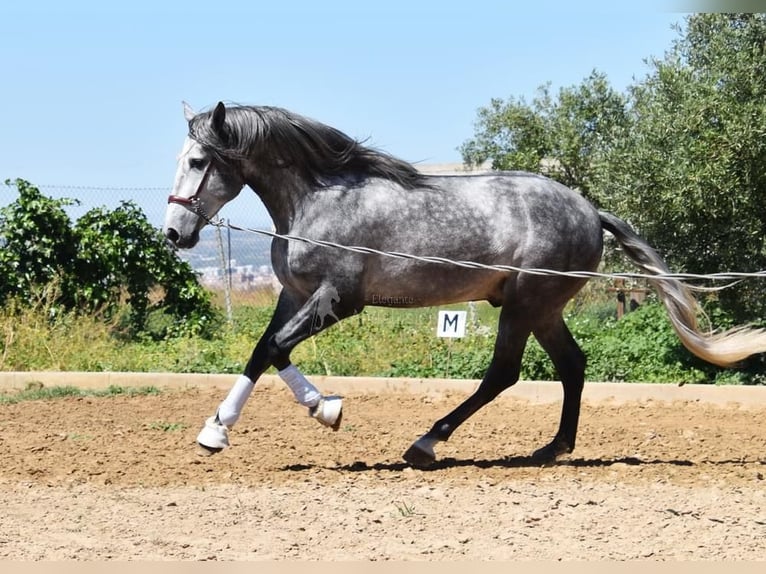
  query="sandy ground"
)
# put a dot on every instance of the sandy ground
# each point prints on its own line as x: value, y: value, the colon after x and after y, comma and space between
x: 120, y: 479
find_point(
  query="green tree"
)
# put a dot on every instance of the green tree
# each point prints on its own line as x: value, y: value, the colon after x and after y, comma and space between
x: 566, y: 137
x: 682, y: 155
x: 691, y: 171
x: 38, y: 244
x: 511, y: 134
x: 121, y: 254
x: 107, y: 261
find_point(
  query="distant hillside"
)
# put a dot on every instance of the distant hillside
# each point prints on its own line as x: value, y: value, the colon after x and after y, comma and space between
x: 246, y: 249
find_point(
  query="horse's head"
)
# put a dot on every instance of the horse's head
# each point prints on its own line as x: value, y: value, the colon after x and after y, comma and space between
x: 204, y: 183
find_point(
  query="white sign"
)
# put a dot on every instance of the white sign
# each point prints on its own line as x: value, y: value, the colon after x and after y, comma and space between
x: 451, y: 324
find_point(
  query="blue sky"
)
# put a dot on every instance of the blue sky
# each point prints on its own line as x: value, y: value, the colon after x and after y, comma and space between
x: 91, y: 92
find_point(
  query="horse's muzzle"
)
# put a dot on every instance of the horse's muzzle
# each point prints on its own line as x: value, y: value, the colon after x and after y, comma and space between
x: 172, y: 235
x: 177, y: 240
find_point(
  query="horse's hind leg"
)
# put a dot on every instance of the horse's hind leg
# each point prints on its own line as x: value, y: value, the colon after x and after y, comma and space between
x: 503, y: 371
x: 569, y: 361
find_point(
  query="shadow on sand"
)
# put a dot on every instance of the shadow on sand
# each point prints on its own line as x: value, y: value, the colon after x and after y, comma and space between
x: 505, y: 462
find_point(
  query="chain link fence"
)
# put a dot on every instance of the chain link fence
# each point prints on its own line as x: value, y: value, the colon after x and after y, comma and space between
x: 237, y: 265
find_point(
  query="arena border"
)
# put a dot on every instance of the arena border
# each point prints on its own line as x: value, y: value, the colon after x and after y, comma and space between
x: 535, y: 392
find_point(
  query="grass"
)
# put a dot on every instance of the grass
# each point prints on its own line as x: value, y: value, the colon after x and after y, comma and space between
x: 378, y: 342
x: 34, y: 339
x: 165, y: 426
x: 39, y: 393
x: 77, y: 437
x: 405, y: 510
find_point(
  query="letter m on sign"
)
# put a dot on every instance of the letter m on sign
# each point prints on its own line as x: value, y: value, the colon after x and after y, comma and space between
x: 451, y: 324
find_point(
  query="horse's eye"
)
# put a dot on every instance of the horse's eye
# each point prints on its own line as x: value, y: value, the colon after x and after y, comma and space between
x: 197, y: 163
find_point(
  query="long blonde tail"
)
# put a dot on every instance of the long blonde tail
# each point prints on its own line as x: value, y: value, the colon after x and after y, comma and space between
x: 725, y: 349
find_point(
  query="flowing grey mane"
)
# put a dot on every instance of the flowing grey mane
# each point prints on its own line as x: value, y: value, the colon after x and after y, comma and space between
x: 283, y: 138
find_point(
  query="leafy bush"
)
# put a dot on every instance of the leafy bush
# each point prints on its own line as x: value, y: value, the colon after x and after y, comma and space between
x: 112, y: 262
x: 38, y: 245
x: 641, y: 346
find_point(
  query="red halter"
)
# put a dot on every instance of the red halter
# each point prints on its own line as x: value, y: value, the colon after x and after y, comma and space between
x: 193, y: 201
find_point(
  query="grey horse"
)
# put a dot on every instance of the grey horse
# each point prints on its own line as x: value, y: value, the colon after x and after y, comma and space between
x: 319, y: 183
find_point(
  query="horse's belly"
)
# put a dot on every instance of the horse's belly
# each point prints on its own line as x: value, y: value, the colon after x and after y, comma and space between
x: 431, y: 284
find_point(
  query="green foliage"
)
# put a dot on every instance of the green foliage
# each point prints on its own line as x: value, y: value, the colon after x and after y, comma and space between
x: 123, y: 253
x: 641, y: 347
x: 465, y: 358
x: 566, y: 137
x: 38, y: 244
x: 682, y: 155
x: 106, y: 259
x: 166, y: 426
x: 691, y: 171
x: 511, y: 134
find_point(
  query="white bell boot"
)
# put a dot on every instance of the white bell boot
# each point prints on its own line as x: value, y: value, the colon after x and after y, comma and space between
x: 328, y: 411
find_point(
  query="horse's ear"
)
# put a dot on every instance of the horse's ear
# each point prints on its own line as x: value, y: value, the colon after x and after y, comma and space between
x: 219, y: 118
x: 188, y: 112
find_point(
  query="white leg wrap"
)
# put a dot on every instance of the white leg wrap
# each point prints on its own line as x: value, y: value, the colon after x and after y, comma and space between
x: 215, y: 433
x: 231, y: 407
x: 305, y: 393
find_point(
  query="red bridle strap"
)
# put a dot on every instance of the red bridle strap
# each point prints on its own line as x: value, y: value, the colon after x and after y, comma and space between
x: 191, y: 201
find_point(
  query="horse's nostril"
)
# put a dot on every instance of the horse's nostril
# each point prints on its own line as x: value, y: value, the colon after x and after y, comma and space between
x: 172, y: 235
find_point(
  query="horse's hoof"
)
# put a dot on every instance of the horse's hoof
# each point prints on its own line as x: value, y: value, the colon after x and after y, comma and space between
x: 329, y: 412
x: 203, y: 450
x: 544, y: 456
x: 421, y: 453
x: 549, y: 453
x: 214, y: 437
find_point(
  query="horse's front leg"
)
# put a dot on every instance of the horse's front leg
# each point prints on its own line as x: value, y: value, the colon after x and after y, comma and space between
x: 292, y: 323
x: 316, y: 315
x: 214, y: 436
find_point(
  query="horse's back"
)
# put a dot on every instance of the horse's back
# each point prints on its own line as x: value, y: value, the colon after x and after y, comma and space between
x: 508, y: 218
x: 545, y: 214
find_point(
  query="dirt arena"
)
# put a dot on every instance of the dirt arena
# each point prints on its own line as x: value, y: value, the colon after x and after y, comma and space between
x: 120, y: 479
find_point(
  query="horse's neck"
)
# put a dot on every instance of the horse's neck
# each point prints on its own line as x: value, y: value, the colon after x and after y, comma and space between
x: 281, y: 195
